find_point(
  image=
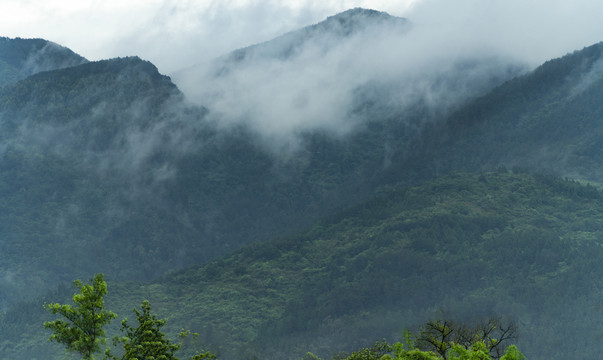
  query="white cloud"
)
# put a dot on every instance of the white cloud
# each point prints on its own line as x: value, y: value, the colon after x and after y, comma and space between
x: 535, y: 30
x: 170, y: 33
x: 176, y: 33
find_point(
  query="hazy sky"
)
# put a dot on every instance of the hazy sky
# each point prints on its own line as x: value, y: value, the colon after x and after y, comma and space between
x: 170, y: 33
x: 177, y: 33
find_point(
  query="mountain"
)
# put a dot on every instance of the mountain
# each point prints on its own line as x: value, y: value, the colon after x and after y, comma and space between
x: 107, y: 167
x: 107, y: 164
x: 335, y: 29
x: 20, y: 58
x: 547, y: 120
x: 517, y: 245
x: 464, y: 246
x: 67, y: 161
x: 335, y: 76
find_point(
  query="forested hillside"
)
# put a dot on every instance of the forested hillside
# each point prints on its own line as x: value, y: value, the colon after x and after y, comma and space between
x: 109, y: 158
x: 20, y: 58
x: 464, y: 246
x: 549, y: 119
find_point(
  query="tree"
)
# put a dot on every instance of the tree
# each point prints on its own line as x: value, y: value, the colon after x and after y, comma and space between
x: 146, y: 341
x: 512, y: 353
x: 375, y: 352
x: 477, y: 351
x: 439, y: 336
x: 82, y: 331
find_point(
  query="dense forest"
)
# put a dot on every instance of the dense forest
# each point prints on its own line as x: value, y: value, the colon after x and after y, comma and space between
x: 486, y: 206
x: 494, y: 243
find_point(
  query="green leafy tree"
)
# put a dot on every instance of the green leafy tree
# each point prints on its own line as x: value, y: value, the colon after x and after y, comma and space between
x: 147, y: 341
x: 82, y: 329
x: 402, y: 353
x: 310, y: 356
x: 407, y: 349
x: 210, y: 355
x: 375, y: 352
x: 513, y: 353
x: 441, y: 335
x: 478, y: 351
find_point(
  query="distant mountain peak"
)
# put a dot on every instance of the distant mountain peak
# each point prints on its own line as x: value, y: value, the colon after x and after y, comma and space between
x: 334, y: 28
x: 359, y: 18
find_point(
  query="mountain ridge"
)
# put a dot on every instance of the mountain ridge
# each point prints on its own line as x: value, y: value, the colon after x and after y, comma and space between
x: 533, y: 121
x: 20, y: 58
x: 341, y: 25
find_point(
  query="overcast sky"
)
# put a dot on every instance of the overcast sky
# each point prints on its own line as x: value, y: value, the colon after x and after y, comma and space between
x: 177, y: 33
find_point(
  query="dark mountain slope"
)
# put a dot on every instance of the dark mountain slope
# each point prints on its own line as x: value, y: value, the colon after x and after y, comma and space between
x: 476, y: 245
x: 72, y: 95
x: 71, y: 148
x: 550, y: 119
x: 20, y: 58
x: 106, y: 165
x: 515, y: 245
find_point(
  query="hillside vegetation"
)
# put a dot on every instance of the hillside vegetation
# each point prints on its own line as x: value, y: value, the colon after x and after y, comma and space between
x: 473, y: 246
x: 20, y: 58
x: 547, y: 120
x: 108, y: 158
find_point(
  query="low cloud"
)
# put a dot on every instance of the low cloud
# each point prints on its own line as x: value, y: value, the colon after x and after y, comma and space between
x: 327, y: 81
x: 174, y: 34
x: 453, y: 51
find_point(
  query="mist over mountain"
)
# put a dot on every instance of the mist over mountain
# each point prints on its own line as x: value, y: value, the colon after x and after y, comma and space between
x: 72, y: 146
x: 294, y: 178
x: 110, y: 154
x: 334, y: 75
x: 335, y: 28
x: 547, y: 120
x: 20, y: 58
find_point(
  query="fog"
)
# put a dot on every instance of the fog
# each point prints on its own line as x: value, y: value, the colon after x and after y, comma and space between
x: 317, y: 88
x: 171, y: 33
x: 358, y: 66
x: 174, y: 34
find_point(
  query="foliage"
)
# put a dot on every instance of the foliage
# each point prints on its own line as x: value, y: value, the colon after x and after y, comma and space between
x: 83, y: 330
x: 375, y: 352
x: 439, y: 336
x: 512, y: 353
x: 506, y: 243
x: 547, y: 120
x: 478, y: 350
x: 20, y: 58
x: 146, y: 341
